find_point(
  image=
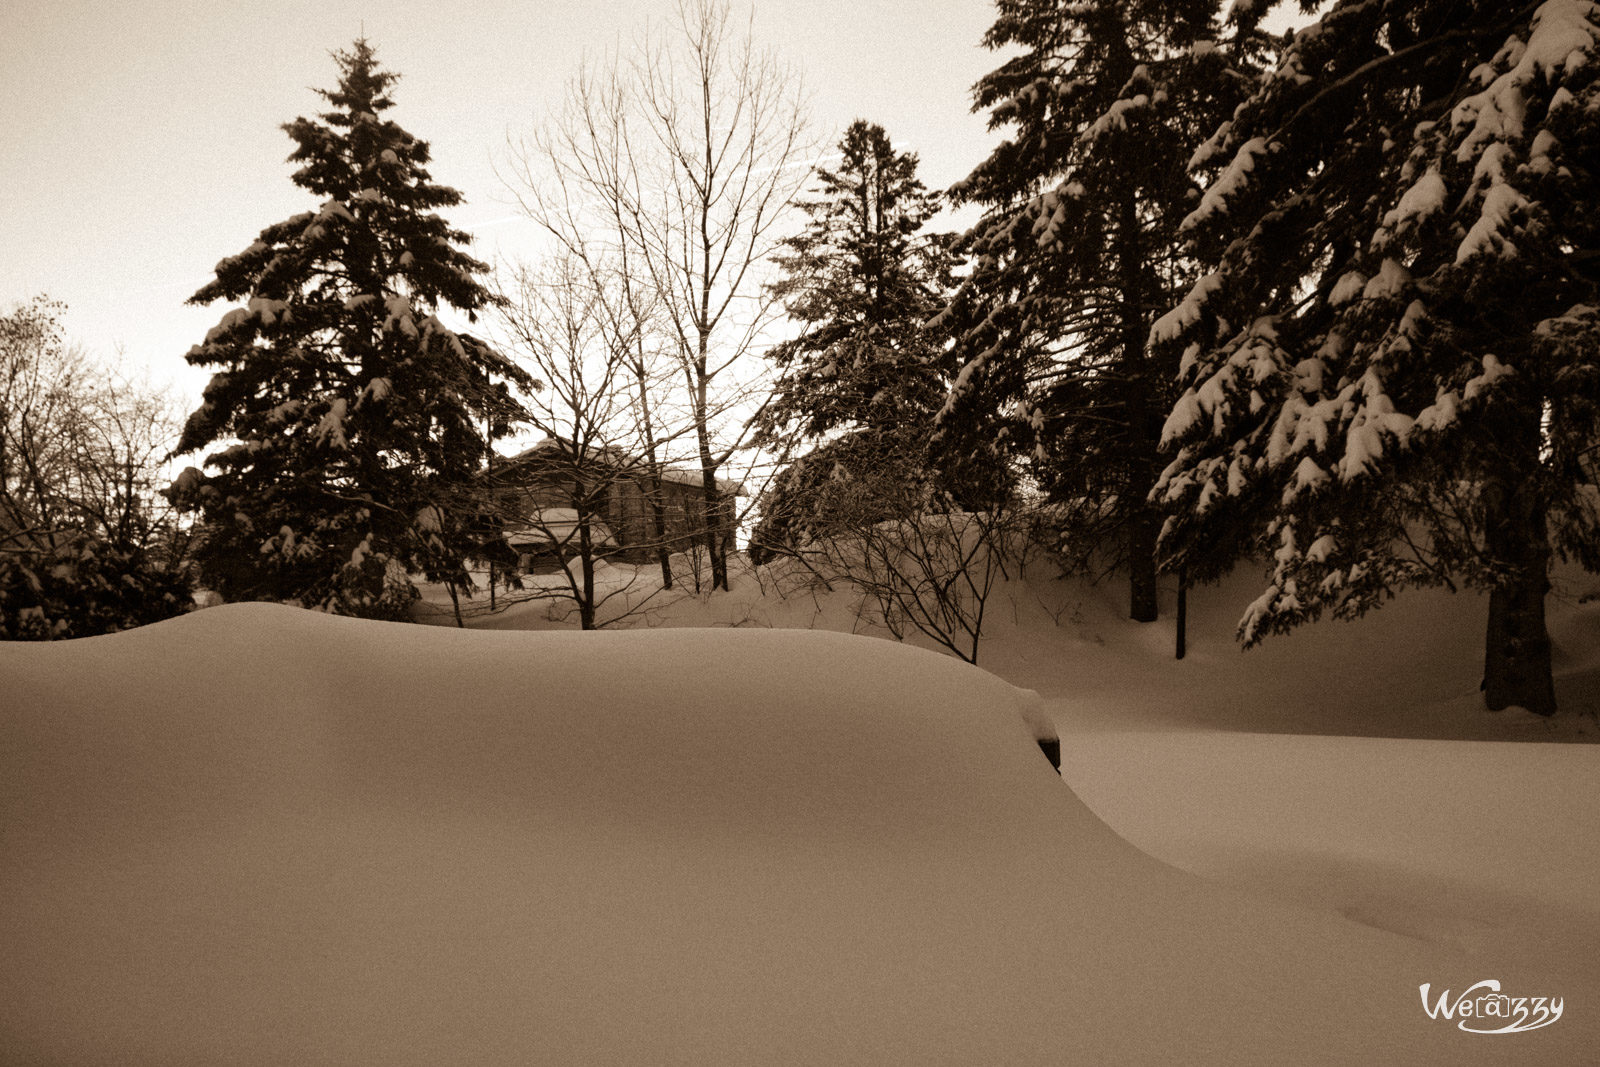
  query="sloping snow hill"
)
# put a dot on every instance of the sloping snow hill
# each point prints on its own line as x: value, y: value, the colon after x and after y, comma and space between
x: 255, y: 835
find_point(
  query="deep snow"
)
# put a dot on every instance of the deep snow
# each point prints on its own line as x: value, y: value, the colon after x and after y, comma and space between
x: 256, y: 835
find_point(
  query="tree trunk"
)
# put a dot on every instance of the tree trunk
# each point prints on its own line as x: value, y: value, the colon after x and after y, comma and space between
x: 1143, y: 424
x: 455, y: 602
x: 658, y: 517
x: 1182, y: 648
x: 1516, y: 652
x: 1142, y: 589
x: 658, y: 528
x: 708, y: 478
x: 586, y: 574
x: 715, y: 548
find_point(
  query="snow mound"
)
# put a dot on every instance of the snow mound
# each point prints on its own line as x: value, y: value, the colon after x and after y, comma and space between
x: 256, y: 835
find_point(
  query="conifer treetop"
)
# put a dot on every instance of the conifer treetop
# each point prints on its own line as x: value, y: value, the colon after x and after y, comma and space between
x: 860, y: 282
x: 369, y: 171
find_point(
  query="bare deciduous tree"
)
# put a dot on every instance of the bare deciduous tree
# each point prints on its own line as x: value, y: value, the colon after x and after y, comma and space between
x: 81, y: 446
x: 918, y: 560
x: 685, y: 156
x: 575, y: 325
x: 80, y: 443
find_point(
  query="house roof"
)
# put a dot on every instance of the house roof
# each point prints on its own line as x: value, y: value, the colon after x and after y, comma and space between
x: 620, y: 459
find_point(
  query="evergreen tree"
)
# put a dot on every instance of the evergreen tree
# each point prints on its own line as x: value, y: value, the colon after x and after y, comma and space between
x: 1106, y: 100
x: 860, y: 280
x: 1391, y: 371
x: 351, y: 411
x: 863, y: 377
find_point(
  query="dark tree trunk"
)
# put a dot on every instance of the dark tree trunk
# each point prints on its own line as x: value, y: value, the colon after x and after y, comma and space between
x: 658, y: 528
x: 700, y: 382
x: 1183, y: 614
x: 1516, y: 648
x: 586, y: 574
x: 1142, y: 530
x: 1516, y: 653
x: 653, y: 495
x: 1142, y: 423
x: 716, y: 546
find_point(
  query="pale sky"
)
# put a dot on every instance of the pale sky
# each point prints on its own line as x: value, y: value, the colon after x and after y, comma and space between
x: 142, y: 140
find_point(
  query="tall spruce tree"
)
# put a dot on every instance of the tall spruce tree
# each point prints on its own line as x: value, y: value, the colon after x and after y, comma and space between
x: 354, y: 420
x: 863, y: 376
x: 1078, y: 250
x: 1392, y: 367
x: 860, y: 280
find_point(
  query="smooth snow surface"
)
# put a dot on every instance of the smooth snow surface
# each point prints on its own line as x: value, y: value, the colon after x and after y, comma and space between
x: 256, y: 835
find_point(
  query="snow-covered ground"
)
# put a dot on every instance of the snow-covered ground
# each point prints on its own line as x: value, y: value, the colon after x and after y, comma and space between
x: 256, y: 835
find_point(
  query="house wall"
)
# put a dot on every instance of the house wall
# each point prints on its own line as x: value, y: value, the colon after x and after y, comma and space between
x: 630, y: 517
x: 626, y: 511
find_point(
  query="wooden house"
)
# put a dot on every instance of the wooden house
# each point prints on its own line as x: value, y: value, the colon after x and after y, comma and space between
x: 546, y: 491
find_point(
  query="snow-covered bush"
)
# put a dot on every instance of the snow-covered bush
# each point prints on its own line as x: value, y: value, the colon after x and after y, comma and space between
x: 81, y: 587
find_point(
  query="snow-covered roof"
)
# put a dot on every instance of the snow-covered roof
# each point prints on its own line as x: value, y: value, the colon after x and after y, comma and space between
x: 622, y: 460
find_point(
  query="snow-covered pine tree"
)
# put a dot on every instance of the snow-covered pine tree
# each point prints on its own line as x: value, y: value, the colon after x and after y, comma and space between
x: 863, y: 377
x: 860, y: 280
x: 349, y: 411
x: 1391, y: 369
x: 1078, y: 251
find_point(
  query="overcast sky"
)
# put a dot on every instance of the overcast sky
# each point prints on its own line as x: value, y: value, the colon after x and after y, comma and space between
x: 142, y: 141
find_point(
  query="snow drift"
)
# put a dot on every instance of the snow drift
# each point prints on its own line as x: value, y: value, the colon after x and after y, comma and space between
x: 256, y: 835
